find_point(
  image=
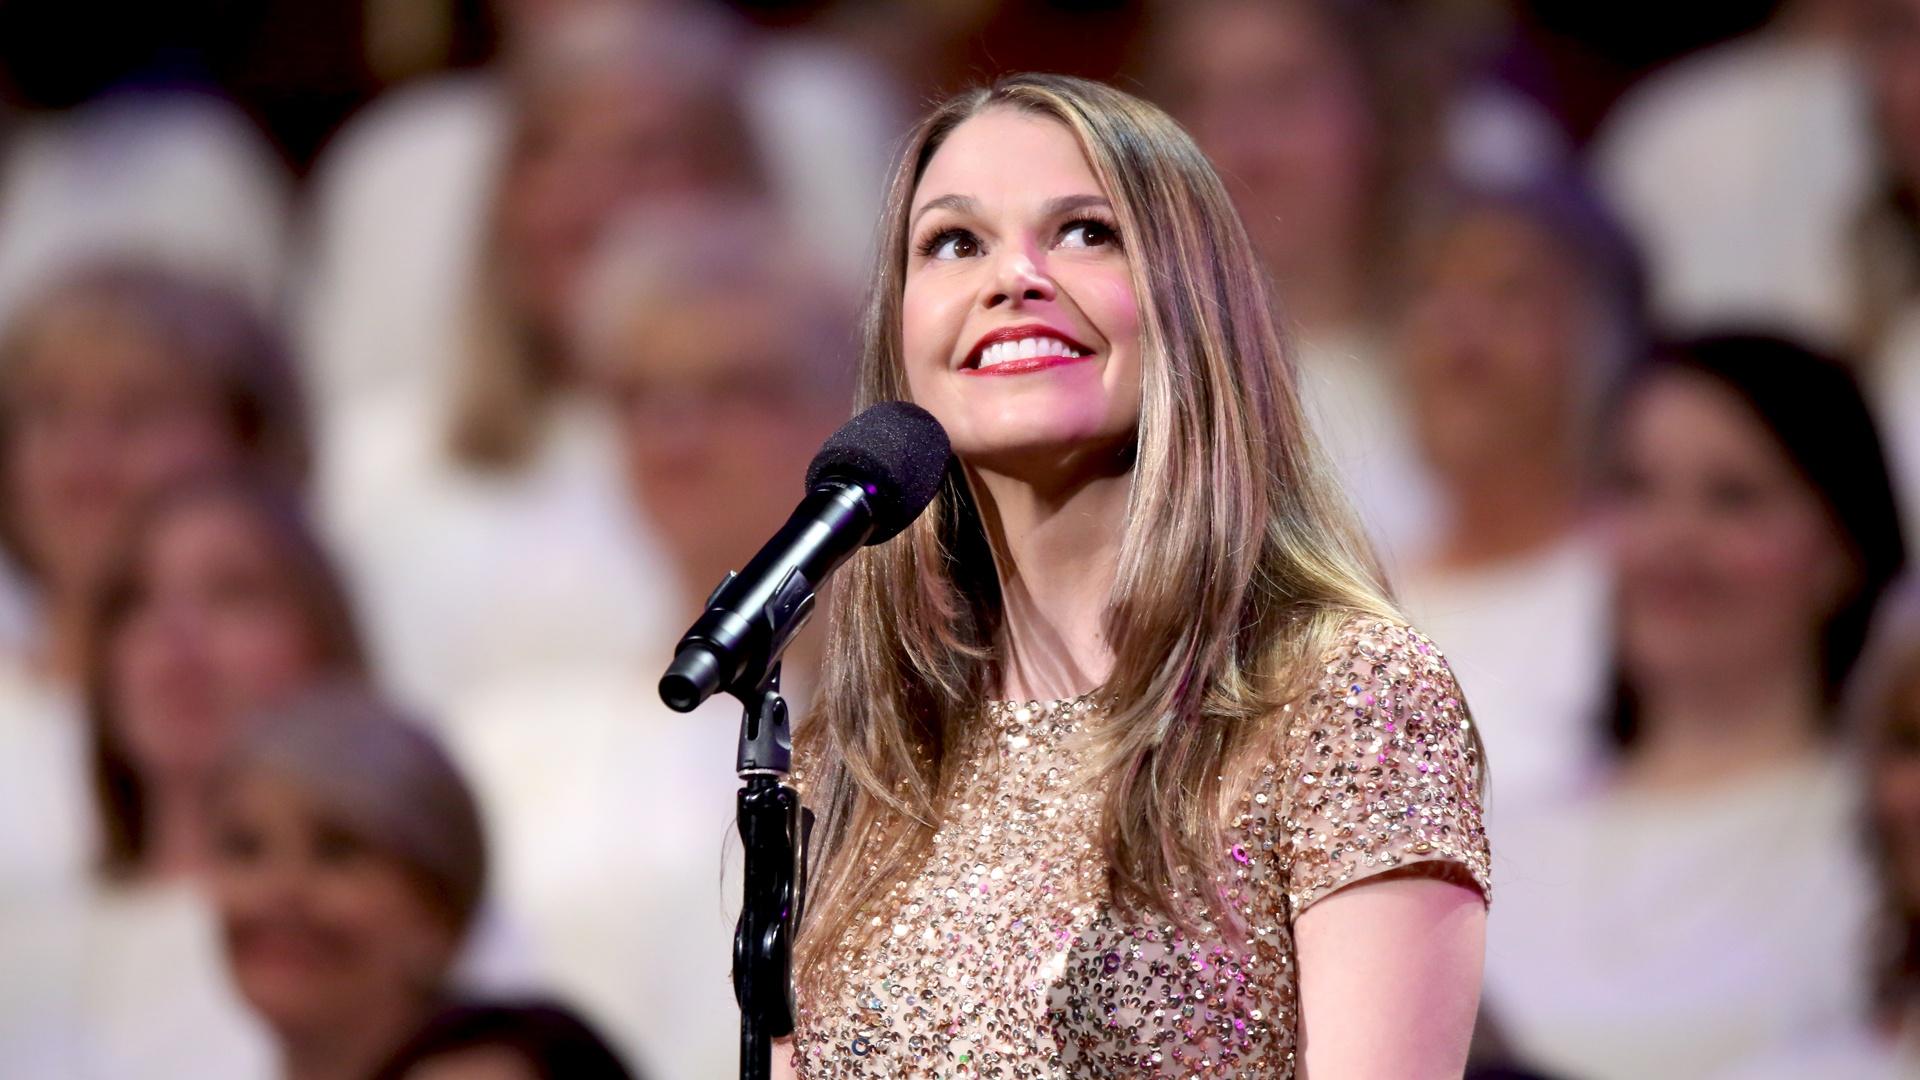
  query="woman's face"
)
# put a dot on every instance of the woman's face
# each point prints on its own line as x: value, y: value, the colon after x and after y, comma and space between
x: 216, y: 631
x: 322, y: 928
x: 102, y: 416
x: 1727, y: 562
x: 1020, y: 327
x: 1896, y: 791
x: 712, y: 395
x: 1282, y: 111
x: 592, y: 146
x: 1492, y: 342
x: 1891, y: 48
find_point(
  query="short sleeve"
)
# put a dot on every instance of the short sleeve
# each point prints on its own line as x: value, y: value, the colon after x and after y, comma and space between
x: 1379, y: 769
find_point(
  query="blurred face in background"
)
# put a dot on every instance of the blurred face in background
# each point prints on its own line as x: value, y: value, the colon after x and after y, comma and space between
x: 1891, y: 46
x: 217, y: 629
x: 323, y: 929
x: 1493, y: 343
x: 720, y: 408
x: 101, y: 415
x: 1276, y: 101
x: 1726, y: 559
x: 1032, y: 247
x: 591, y: 145
x: 1896, y: 785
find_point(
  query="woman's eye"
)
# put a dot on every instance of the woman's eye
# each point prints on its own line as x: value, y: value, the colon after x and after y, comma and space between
x: 950, y: 244
x: 1088, y: 233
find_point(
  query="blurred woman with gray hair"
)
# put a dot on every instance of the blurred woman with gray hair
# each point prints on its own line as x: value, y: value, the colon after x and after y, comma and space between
x: 350, y: 864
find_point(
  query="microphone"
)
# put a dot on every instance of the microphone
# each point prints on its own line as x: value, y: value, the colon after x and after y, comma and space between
x: 868, y: 482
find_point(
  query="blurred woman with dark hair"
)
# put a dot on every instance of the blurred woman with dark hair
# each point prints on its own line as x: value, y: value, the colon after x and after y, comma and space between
x: 1703, y: 899
x: 113, y: 384
x: 350, y: 864
x: 220, y: 602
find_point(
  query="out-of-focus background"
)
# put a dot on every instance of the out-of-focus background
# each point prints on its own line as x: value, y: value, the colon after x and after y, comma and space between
x: 384, y: 382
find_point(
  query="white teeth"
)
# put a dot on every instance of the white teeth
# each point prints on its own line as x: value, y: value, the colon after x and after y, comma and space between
x: 1027, y: 348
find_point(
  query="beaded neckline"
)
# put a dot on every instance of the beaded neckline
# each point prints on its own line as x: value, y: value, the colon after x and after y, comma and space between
x: 1015, y: 713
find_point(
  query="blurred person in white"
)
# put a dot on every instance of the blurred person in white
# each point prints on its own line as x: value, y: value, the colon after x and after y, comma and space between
x: 723, y: 356
x: 481, y: 516
x: 1705, y: 899
x: 1740, y: 171
x: 1328, y: 121
x: 401, y: 209
x: 219, y: 602
x: 1522, y: 307
x: 1883, y: 1041
x: 349, y: 864
x: 114, y: 382
x: 130, y: 154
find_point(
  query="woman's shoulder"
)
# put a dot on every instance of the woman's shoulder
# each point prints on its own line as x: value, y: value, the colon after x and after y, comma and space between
x: 1377, y: 765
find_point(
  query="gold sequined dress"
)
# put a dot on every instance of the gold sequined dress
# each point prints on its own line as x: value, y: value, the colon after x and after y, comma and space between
x: 1002, y: 955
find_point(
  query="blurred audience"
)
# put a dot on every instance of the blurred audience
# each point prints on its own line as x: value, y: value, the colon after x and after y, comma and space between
x: 719, y: 352
x: 219, y: 602
x: 114, y: 382
x: 1328, y: 123
x: 348, y: 864
x: 1522, y: 308
x: 1704, y: 900
x: 148, y: 163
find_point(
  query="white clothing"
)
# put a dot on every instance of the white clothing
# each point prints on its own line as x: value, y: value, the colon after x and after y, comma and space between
x: 122, y: 983
x: 47, y: 817
x: 1528, y: 641
x: 1642, y: 936
x: 1740, y: 171
x: 180, y: 177
x: 611, y: 820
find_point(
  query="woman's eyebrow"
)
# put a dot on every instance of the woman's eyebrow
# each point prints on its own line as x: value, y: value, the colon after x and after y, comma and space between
x: 1066, y: 204
x: 965, y: 204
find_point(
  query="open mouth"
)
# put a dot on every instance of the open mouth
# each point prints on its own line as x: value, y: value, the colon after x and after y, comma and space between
x: 1020, y: 350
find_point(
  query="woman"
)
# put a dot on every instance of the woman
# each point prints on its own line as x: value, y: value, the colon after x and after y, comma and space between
x: 350, y: 864
x: 1522, y: 312
x: 114, y: 383
x: 1703, y: 898
x: 219, y: 602
x: 1103, y: 737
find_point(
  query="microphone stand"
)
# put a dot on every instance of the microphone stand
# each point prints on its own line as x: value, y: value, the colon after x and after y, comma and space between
x: 774, y: 829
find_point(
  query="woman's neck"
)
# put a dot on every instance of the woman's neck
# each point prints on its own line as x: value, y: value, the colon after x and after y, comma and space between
x: 1056, y: 553
x: 1521, y: 510
x: 1698, y: 731
x: 179, y: 832
x: 62, y: 646
x: 355, y: 1049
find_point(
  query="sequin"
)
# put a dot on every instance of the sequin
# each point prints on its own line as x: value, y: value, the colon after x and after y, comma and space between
x: 1007, y: 959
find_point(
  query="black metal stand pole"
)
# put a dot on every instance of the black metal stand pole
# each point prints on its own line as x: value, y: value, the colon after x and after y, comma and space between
x: 773, y: 834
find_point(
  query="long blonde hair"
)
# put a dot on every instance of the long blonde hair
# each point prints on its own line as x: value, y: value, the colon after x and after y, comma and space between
x: 1239, y: 563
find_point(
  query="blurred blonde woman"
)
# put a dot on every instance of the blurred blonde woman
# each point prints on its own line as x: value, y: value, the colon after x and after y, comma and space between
x: 1125, y: 761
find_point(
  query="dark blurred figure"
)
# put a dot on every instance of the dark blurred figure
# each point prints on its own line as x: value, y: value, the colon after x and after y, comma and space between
x: 1882, y: 1042
x: 1331, y: 127
x: 350, y: 864
x: 1522, y: 309
x: 217, y: 602
x: 720, y: 356
x: 1704, y: 901
x: 113, y: 384
x: 505, y: 1042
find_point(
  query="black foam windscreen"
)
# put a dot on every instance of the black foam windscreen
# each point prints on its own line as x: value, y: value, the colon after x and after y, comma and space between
x: 898, y: 452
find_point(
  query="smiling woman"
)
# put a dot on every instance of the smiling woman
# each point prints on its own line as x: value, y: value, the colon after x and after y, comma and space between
x: 1125, y: 761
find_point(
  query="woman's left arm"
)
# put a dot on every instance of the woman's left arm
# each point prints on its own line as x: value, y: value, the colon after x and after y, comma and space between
x: 1390, y: 978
